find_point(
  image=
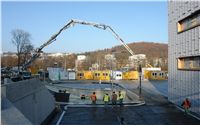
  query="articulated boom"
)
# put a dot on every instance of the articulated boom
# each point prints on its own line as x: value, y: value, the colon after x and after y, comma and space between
x: 68, y: 25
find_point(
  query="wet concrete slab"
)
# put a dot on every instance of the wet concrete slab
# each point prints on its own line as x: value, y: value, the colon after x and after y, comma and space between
x: 142, y: 115
x: 157, y: 111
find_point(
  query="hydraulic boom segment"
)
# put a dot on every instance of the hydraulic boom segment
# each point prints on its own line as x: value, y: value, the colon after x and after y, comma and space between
x: 68, y: 25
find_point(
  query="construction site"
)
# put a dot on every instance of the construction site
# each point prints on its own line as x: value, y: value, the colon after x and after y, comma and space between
x: 146, y: 93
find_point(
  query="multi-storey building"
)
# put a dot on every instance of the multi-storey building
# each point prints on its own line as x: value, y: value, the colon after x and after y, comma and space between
x: 184, y: 52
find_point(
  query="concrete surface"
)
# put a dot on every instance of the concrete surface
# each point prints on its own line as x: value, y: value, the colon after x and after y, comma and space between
x: 157, y: 111
x: 78, y: 89
x: 10, y: 115
x: 31, y: 98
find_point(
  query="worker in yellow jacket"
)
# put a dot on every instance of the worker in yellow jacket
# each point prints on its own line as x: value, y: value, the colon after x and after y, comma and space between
x: 121, y: 98
x: 106, y: 99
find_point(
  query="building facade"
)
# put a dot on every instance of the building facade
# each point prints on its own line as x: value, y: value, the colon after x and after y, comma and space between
x: 184, y: 52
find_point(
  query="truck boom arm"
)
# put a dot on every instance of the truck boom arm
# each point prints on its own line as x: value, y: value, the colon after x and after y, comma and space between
x: 68, y: 25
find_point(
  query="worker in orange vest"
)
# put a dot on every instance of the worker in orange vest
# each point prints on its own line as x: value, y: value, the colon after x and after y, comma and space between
x: 186, y: 105
x: 93, y: 97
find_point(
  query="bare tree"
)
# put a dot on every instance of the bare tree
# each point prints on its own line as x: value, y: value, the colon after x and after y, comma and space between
x: 20, y: 39
x: 27, y: 51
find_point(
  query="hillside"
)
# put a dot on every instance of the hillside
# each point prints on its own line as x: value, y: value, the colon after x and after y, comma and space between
x: 156, y: 54
x: 153, y: 52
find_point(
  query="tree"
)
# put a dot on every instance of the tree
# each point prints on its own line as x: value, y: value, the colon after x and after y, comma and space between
x: 27, y: 52
x: 21, y: 39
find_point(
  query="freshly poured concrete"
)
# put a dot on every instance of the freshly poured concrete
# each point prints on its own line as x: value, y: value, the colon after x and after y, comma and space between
x: 157, y: 111
x: 78, y: 89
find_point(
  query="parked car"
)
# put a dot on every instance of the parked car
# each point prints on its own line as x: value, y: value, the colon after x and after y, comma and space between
x: 25, y: 74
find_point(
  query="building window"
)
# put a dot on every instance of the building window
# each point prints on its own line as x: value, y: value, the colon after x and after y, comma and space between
x: 80, y: 74
x: 189, y: 63
x: 119, y: 75
x: 154, y: 74
x: 161, y: 74
x: 189, y: 22
x: 97, y: 74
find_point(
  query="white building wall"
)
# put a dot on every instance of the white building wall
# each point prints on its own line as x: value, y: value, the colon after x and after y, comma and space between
x: 183, y: 84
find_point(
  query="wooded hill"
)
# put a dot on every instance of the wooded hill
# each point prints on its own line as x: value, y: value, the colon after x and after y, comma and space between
x: 156, y: 54
x: 153, y: 52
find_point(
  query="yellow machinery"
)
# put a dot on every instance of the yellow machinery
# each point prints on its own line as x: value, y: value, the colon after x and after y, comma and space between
x: 155, y: 75
x: 130, y: 75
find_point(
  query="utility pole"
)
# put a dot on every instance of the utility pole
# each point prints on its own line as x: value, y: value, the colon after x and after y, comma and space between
x: 140, y: 80
x: 44, y: 73
x: 111, y: 67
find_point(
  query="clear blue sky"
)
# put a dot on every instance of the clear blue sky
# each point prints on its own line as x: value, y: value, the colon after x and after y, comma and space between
x: 133, y: 21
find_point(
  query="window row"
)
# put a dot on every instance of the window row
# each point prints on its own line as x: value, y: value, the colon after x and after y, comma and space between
x: 189, y: 63
x: 189, y: 22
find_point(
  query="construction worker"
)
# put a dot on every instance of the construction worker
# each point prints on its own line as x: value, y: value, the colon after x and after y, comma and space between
x: 121, y: 97
x: 186, y: 105
x: 106, y: 98
x: 93, y: 97
x: 114, y: 98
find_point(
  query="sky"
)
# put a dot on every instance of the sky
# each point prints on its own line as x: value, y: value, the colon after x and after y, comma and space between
x: 132, y: 21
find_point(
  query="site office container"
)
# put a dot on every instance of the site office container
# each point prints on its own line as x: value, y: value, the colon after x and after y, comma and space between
x: 84, y: 75
x: 130, y: 75
x: 80, y: 75
x: 88, y: 75
x: 96, y: 75
x: 156, y: 75
x: 105, y: 75
x: 54, y: 73
x: 63, y: 74
x: 101, y: 75
x: 117, y: 75
x: 125, y: 75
